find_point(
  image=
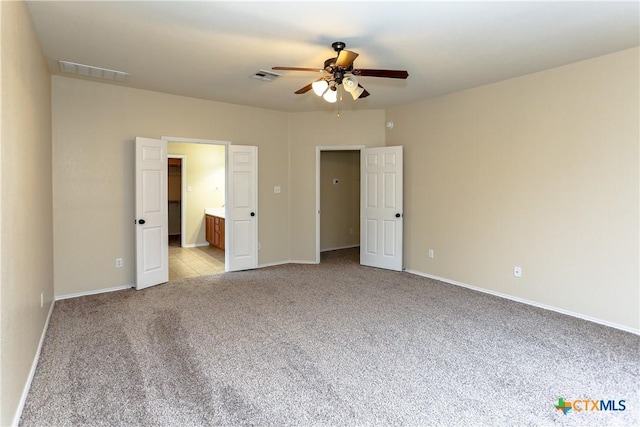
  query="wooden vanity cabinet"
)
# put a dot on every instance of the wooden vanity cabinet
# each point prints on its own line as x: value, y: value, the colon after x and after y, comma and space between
x: 214, y: 229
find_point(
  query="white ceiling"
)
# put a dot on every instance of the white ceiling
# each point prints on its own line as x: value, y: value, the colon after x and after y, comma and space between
x: 210, y: 49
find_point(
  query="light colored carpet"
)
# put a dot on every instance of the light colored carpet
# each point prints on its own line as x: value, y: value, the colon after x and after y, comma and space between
x: 324, y: 345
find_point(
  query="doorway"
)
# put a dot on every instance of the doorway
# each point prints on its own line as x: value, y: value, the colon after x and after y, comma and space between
x: 151, y: 197
x: 381, y: 202
x: 196, y: 188
x: 338, y: 202
x: 176, y: 164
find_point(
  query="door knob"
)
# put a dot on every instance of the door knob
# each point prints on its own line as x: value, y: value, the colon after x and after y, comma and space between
x: 253, y: 214
x: 397, y: 215
x: 141, y: 221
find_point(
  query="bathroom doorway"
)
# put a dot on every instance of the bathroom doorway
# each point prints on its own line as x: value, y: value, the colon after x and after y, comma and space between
x: 196, y: 186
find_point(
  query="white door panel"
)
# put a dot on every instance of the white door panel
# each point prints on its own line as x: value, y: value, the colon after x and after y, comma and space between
x: 371, y: 235
x: 152, y: 263
x: 381, y: 208
x: 390, y: 238
x: 242, y: 205
x: 242, y: 230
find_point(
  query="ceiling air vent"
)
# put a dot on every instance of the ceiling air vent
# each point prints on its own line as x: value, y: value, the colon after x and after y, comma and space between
x: 89, y: 71
x: 267, y: 76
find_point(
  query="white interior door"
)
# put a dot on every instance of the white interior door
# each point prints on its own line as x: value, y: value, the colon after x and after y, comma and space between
x: 152, y: 260
x: 241, y: 225
x: 381, y: 207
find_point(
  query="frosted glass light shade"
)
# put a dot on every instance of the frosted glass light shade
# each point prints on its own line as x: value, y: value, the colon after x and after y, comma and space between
x: 319, y: 87
x: 331, y: 96
x: 350, y: 83
x: 355, y: 93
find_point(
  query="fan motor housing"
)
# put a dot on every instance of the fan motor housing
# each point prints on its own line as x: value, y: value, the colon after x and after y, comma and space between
x: 330, y: 64
x: 338, y: 72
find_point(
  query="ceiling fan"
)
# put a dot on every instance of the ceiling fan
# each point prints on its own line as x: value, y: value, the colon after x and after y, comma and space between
x: 339, y: 71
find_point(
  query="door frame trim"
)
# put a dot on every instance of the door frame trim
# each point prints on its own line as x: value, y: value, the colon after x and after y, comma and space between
x: 319, y: 150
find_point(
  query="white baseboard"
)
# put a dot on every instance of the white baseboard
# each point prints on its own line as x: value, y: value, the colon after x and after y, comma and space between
x: 32, y: 372
x: 195, y: 245
x: 98, y: 291
x: 529, y: 302
x: 340, y: 247
x: 273, y: 264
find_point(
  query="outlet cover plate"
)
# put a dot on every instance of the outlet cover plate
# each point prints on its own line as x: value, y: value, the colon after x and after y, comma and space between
x: 517, y: 271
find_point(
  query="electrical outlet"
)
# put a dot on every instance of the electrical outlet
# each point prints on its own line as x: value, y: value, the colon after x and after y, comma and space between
x: 430, y: 253
x: 41, y: 300
x: 258, y: 245
x: 119, y: 263
x: 277, y: 189
x: 517, y: 271
x: 351, y: 231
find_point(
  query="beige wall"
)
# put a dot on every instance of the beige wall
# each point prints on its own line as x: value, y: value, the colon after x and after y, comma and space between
x: 540, y: 171
x: 94, y: 127
x: 308, y: 131
x: 205, y: 174
x: 25, y: 200
x: 339, y: 203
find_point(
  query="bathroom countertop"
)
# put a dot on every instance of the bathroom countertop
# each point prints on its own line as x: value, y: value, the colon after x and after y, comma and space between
x: 219, y: 212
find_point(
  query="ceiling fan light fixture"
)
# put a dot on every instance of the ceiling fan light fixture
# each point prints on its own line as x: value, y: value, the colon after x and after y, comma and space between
x: 350, y: 83
x: 320, y: 87
x: 331, y: 95
x: 340, y: 71
x: 355, y: 93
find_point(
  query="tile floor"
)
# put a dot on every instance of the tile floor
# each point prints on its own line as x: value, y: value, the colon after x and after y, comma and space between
x: 193, y: 262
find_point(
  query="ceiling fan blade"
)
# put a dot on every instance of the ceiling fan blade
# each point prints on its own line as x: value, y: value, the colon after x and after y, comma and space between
x: 319, y: 70
x: 346, y: 58
x: 308, y: 87
x: 391, y: 74
x: 302, y: 90
x: 365, y: 93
